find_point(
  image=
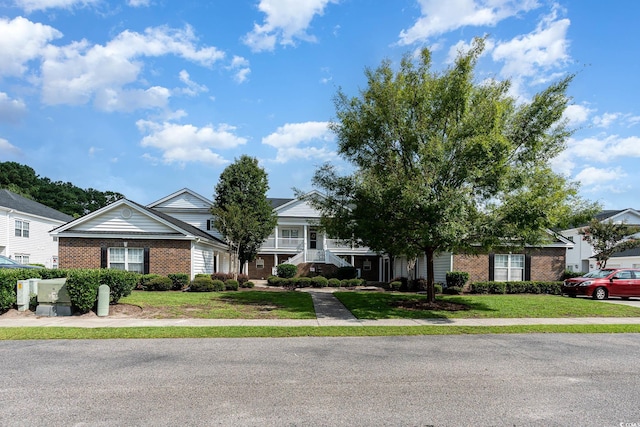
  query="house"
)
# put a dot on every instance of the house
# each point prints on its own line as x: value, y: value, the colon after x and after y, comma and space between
x: 544, y: 263
x: 581, y: 256
x: 168, y: 236
x: 24, y: 230
x: 176, y: 234
x: 297, y: 240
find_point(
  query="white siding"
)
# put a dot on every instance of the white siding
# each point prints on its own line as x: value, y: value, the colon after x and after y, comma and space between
x: 202, y: 259
x: 113, y: 220
x: 628, y: 218
x: 441, y: 265
x: 39, y: 246
x: 184, y: 201
x: 299, y: 209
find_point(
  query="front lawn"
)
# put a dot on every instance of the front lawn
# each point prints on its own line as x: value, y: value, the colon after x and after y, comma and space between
x: 223, y: 305
x: 378, y: 305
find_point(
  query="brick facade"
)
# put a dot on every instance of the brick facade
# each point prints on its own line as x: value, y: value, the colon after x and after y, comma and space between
x: 547, y: 264
x: 165, y: 256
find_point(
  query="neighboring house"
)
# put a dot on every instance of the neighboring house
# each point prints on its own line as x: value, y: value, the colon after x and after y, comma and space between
x: 297, y: 239
x: 24, y: 230
x: 544, y: 263
x: 168, y: 236
x: 581, y: 256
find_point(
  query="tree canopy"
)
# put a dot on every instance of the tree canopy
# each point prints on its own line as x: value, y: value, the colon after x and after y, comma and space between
x: 241, y: 210
x: 62, y: 196
x: 609, y: 238
x: 443, y: 163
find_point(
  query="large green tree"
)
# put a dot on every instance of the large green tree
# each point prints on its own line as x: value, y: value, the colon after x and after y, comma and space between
x: 609, y: 238
x: 241, y: 210
x: 444, y: 163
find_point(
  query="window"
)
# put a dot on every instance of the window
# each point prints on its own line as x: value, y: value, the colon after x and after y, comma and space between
x: 130, y: 259
x: 509, y: 268
x: 22, y: 228
x: 259, y: 263
x: 290, y: 237
x: 366, y: 265
x: 21, y: 258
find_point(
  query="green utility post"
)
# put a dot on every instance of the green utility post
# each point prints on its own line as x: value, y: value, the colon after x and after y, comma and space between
x: 103, y: 300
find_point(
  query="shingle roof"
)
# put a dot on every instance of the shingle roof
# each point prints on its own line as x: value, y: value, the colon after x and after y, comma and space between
x: 628, y: 252
x: 22, y: 204
x: 278, y: 202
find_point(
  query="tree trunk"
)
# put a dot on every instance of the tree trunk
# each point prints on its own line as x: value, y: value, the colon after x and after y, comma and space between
x: 431, y: 291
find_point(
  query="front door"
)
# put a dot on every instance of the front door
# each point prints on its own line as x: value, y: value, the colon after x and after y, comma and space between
x: 313, y: 240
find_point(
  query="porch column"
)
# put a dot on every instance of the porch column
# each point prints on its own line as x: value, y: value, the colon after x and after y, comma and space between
x: 276, y: 241
x: 304, y: 247
x: 380, y: 263
x: 353, y: 260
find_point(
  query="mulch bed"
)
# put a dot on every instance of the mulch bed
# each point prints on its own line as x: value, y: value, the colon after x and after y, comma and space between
x: 423, y: 305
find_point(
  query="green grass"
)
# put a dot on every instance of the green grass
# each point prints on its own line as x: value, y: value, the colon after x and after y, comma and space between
x: 383, y: 306
x: 224, y: 305
x: 286, y: 332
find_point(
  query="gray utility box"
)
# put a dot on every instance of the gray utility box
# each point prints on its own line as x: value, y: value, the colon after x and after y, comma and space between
x: 53, y: 298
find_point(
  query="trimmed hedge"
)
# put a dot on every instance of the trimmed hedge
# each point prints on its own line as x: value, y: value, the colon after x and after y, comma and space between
x: 180, y: 281
x: 334, y: 283
x: 457, y: 278
x: 120, y: 283
x: 159, y: 283
x: 553, y: 288
x: 319, y: 282
x: 202, y: 284
x: 82, y: 286
x: 8, y: 281
x: 346, y: 273
x: 231, y: 285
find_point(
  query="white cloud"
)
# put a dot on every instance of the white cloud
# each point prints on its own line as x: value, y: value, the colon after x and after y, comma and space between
x: 138, y: 3
x: 577, y: 114
x: 7, y: 149
x: 240, y: 66
x: 591, y: 176
x: 187, y: 143
x: 293, y: 141
x: 78, y: 72
x: 605, y: 120
x: 604, y: 149
x: 532, y: 54
x: 22, y: 41
x: 33, y: 5
x: 285, y: 21
x: 192, y: 88
x: 439, y: 17
x: 11, y: 110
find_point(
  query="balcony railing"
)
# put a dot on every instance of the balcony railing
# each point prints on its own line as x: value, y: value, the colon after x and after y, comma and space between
x: 284, y: 243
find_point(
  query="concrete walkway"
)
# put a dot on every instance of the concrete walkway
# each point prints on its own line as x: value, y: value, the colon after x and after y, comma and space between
x: 329, y: 312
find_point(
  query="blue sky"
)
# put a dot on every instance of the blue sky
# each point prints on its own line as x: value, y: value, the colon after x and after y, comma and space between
x: 146, y: 97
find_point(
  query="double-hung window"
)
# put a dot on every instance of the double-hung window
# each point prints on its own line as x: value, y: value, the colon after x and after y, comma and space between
x: 22, y: 228
x: 129, y: 259
x: 509, y: 268
x: 21, y: 258
x: 289, y: 237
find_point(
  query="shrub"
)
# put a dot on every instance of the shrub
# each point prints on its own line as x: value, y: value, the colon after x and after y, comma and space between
x: 553, y: 288
x: 179, y: 280
x: 319, y: 282
x: 221, y: 276
x: 452, y: 290
x: 420, y: 285
x: 457, y: 278
x: 82, y: 286
x: 334, y: 283
x: 8, y: 280
x: 303, y: 282
x: 516, y: 287
x: 344, y: 283
x: 120, y: 283
x: 247, y: 284
x: 218, y: 285
x: 202, y: 284
x: 274, y: 281
x: 346, y: 273
x: 355, y: 282
x: 159, y: 283
x: 231, y: 285
x: 437, y: 288
x: 287, y: 271
x: 242, y: 278
x: 144, y: 280
x: 395, y: 285
x: 568, y: 274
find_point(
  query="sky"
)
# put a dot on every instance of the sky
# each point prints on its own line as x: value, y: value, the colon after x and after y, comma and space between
x: 146, y: 97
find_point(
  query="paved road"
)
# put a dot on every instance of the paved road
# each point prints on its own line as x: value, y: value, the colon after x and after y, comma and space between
x: 523, y: 380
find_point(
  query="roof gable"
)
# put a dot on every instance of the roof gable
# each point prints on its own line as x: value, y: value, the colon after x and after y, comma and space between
x: 298, y: 208
x: 18, y: 203
x: 182, y: 199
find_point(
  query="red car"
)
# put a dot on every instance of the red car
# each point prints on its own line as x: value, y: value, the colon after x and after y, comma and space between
x: 602, y: 284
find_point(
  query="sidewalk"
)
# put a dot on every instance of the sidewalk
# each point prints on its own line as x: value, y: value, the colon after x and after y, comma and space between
x: 329, y: 312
